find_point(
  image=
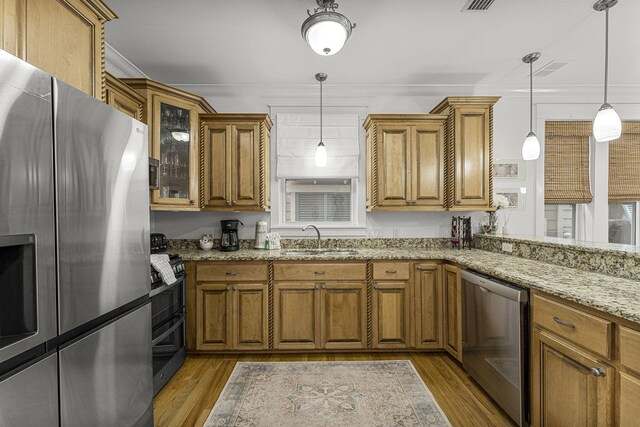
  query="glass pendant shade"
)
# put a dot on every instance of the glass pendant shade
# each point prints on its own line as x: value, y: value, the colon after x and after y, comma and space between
x: 326, y: 37
x: 326, y: 30
x: 531, y: 147
x: 180, y: 135
x: 607, y: 125
x: 321, y: 156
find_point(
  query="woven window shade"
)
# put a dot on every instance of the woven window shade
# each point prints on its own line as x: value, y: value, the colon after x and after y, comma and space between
x: 624, y: 165
x: 566, y: 163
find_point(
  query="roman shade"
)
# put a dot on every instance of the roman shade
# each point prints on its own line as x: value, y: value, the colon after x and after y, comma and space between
x: 624, y: 165
x: 566, y: 162
x: 298, y: 136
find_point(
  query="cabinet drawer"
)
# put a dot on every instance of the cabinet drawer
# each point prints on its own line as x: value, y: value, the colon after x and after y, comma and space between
x: 630, y: 348
x: 320, y: 271
x: 225, y: 272
x: 390, y: 271
x: 589, y: 331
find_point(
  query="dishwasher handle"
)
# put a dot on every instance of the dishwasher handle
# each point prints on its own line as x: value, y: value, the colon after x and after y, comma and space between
x: 502, y: 289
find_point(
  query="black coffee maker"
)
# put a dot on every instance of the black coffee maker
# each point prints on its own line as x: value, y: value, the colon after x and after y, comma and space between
x: 229, y: 240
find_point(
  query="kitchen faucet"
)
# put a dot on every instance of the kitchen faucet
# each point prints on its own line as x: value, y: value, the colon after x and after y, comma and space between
x: 306, y: 227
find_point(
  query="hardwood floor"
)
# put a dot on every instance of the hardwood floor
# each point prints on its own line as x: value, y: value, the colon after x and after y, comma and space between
x: 188, y: 398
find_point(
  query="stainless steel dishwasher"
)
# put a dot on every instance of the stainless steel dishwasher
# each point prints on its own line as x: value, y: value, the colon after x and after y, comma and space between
x: 495, y: 317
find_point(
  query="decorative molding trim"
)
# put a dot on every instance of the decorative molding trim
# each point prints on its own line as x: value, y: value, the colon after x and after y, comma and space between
x: 118, y: 65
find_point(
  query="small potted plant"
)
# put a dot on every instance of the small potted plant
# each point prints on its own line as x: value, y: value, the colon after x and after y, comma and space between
x: 490, y: 223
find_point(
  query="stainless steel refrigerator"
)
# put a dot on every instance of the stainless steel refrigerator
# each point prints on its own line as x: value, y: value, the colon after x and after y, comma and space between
x: 75, y: 317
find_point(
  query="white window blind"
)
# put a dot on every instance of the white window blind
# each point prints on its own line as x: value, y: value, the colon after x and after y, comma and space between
x: 323, y: 207
x: 298, y: 136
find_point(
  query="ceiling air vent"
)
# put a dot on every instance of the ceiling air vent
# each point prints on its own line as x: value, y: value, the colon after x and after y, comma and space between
x: 477, y: 5
x: 549, y: 68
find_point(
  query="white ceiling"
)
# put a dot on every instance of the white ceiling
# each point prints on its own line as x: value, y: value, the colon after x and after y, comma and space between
x: 396, y: 44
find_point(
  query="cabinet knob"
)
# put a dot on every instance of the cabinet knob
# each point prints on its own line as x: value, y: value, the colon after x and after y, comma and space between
x: 192, y: 201
x: 228, y: 287
x: 235, y: 288
x: 598, y: 372
x: 375, y: 286
x: 233, y: 202
x: 323, y: 286
x: 228, y: 202
x: 414, y: 202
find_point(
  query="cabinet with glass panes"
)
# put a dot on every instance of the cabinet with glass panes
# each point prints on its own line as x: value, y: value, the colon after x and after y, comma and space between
x: 172, y: 117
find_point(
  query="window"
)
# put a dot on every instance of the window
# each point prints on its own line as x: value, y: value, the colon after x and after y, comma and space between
x: 318, y: 201
x: 560, y: 221
x: 623, y: 222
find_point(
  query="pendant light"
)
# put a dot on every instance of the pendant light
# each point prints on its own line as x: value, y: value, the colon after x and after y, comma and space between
x: 321, y: 150
x: 531, y: 146
x: 607, y: 125
x: 326, y: 30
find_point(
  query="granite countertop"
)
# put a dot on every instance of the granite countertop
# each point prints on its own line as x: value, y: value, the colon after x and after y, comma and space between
x: 614, y: 295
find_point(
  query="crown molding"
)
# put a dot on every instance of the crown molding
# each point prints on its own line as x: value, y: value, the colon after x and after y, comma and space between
x: 119, y: 66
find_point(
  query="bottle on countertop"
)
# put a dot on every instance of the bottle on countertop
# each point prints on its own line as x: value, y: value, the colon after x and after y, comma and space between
x: 261, y: 234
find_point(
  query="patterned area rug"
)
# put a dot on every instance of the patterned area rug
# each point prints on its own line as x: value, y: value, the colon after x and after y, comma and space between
x: 384, y: 393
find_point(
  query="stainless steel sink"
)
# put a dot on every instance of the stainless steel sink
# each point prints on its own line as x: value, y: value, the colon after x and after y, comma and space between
x: 340, y: 253
x: 304, y: 252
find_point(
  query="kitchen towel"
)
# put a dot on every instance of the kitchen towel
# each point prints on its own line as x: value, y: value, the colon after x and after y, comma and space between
x: 162, y: 266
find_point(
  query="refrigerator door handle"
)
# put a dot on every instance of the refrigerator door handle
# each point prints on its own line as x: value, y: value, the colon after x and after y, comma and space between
x: 168, y: 332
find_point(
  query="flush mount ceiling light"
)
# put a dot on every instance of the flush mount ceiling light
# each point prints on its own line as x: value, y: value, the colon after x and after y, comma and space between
x: 607, y: 125
x: 321, y: 150
x: 326, y: 30
x: 531, y: 146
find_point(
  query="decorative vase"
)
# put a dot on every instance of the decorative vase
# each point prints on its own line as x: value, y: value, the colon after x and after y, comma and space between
x: 491, y: 223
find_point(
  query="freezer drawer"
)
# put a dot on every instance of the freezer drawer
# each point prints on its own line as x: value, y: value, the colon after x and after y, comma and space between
x: 106, y: 378
x: 30, y: 397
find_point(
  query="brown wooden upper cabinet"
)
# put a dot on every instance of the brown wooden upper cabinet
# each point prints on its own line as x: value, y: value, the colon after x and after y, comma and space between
x: 469, y: 151
x: 123, y: 98
x: 172, y: 117
x: 236, y: 162
x: 405, y: 162
x: 64, y: 38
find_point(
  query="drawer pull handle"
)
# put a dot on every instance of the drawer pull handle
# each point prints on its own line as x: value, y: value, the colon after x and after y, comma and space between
x: 231, y: 273
x: 391, y: 271
x: 318, y: 272
x: 568, y: 325
x: 598, y: 372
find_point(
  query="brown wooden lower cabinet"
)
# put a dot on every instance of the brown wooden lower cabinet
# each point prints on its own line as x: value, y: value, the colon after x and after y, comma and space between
x: 296, y: 313
x: 452, y: 311
x: 571, y: 387
x: 343, y: 316
x: 310, y: 316
x: 628, y: 399
x: 429, y: 301
x: 391, y: 315
x: 232, y: 316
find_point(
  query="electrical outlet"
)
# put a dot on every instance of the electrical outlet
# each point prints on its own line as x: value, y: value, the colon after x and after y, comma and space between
x: 507, y: 247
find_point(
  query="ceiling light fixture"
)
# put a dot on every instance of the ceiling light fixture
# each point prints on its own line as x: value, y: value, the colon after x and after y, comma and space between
x: 531, y: 146
x: 326, y: 30
x: 607, y: 125
x: 321, y: 150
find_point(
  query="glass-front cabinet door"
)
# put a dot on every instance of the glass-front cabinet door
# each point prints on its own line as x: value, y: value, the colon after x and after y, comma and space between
x: 175, y: 145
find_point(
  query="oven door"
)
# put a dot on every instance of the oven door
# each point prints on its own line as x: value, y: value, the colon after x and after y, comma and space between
x: 169, y: 349
x: 166, y: 301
